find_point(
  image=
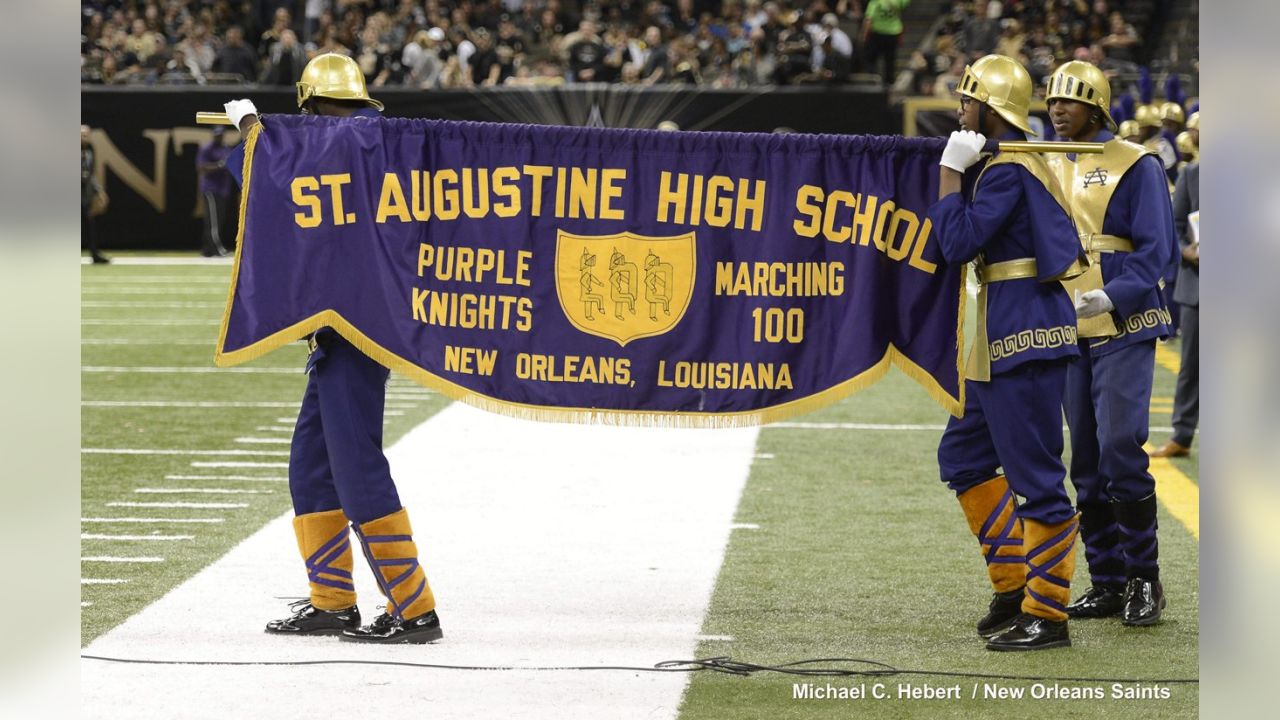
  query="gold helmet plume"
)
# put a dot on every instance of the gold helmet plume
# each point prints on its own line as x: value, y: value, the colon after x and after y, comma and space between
x: 1082, y: 82
x: 336, y: 77
x: 1003, y: 84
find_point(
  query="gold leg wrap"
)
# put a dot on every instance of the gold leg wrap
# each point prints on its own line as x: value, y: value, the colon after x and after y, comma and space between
x: 389, y: 547
x: 326, y: 549
x: 1051, y: 561
x: 992, y: 512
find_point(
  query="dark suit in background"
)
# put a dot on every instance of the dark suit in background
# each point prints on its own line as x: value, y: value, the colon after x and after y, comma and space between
x: 1186, y: 399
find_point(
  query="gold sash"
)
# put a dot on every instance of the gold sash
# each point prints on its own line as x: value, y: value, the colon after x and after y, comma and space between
x: 1090, y: 181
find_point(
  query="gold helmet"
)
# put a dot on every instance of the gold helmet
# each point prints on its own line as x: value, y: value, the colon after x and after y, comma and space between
x: 336, y: 77
x: 1193, y: 121
x: 1002, y: 84
x: 1148, y: 116
x: 1187, y: 144
x: 1129, y: 128
x: 1171, y: 111
x: 1082, y: 82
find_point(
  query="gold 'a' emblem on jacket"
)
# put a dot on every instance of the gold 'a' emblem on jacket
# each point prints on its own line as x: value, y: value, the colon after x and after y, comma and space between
x: 625, y: 286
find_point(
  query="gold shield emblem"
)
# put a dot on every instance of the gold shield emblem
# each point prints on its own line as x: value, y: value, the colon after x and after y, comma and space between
x: 624, y: 286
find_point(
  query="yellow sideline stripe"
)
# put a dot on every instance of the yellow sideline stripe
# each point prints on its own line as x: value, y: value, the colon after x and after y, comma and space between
x: 1168, y: 359
x: 1179, y: 495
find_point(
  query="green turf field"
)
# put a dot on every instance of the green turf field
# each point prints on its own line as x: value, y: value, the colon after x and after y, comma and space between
x: 134, y: 372
x: 858, y: 550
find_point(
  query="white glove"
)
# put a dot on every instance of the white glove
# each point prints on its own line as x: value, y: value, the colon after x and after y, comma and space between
x: 238, y: 110
x: 963, y: 150
x: 1094, y: 302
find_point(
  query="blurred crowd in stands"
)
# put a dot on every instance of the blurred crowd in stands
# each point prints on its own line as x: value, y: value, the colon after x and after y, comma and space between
x: 469, y: 43
x: 1039, y: 34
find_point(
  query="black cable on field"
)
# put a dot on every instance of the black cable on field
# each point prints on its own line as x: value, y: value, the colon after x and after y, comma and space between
x: 725, y: 665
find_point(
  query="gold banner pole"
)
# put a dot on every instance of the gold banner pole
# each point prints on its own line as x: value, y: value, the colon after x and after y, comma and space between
x: 212, y: 118
x: 217, y: 118
x: 1054, y: 147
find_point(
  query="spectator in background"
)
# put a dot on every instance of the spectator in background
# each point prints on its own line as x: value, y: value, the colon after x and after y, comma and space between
x: 1122, y: 41
x: 794, y: 51
x: 180, y: 64
x: 141, y: 41
x: 653, y: 57
x: 216, y: 190
x: 1012, y: 40
x: 286, y: 61
x: 421, y: 59
x: 271, y: 36
x: 235, y: 58
x: 199, y: 47
x: 92, y: 197
x: 375, y: 59
x: 840, y: 40
x: 836, y: 66
x: 586, y: 54
x: 982, y: 31
x: 881, y: 33
x: 1186, y: 397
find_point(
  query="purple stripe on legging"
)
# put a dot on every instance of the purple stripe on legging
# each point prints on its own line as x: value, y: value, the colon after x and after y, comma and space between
x: 1047, y: 601
x: 1042, y: 547
x: 387, y: 538
x: 333, y: 583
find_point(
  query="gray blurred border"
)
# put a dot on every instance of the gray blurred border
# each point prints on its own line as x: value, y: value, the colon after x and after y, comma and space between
x: 1240, y: 384
x: 40, y: 421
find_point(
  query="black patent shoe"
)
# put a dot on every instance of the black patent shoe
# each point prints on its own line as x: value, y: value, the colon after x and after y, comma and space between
x: 1001, y: 613
x: 1100, y: 601
x: 1031, y: 632
x: 1143, y: 602
x: 307, y: 619
x: 388, y: 630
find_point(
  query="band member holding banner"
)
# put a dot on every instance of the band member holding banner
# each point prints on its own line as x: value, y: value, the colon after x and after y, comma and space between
x: 338, y: 473
x: 1010, y: 220
x: 1122, y: 210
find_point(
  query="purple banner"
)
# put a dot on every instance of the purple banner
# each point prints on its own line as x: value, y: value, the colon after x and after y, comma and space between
x: 625, y: 276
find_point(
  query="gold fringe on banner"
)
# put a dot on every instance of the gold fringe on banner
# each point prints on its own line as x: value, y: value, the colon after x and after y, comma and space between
x: 597, y: 416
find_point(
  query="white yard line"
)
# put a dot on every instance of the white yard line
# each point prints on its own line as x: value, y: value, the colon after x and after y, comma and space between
x: 147, y: 304
x: 546, y: 544
x: 140, y: 321
x: 205, y: 491
x: 192, y: 370
x: 110, y: 559
x: 156, y: 280
x: 171, y: 451
x: 102, y: 581
x: 212, y: 291
x: 166, y: 521
x: 264, y: 441
x: 148, y: 341
x: 212, y: 464
x: 274, y: 428
x: 206, y: 506
x: 184, y: 404
x: 136, y: 538
x: 252, y: 478
x: 165, y: 260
